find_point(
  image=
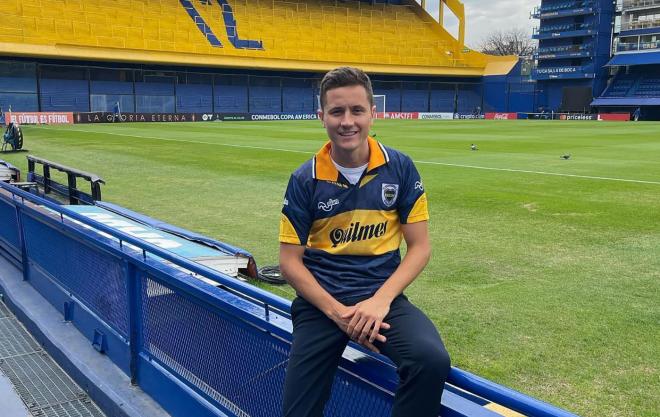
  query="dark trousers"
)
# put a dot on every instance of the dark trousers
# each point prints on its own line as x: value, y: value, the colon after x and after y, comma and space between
x: 413, y: 344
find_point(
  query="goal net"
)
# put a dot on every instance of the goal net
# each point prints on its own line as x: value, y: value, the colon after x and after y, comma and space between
x: 379, y: 102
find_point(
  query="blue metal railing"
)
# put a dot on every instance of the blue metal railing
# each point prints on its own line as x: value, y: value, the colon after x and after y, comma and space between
x: 171, y: 316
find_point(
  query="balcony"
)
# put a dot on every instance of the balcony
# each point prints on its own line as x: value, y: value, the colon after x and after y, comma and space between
x: 562, y: 73
x: 637, y: 46
x: 568, y: 30
x: 567, y: 51
x: 643, y: 23
x: 570, y: 8
x: 629, y: 5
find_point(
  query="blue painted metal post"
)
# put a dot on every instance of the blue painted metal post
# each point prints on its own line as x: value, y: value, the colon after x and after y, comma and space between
x: 21, y: 239
x: 134, y: 286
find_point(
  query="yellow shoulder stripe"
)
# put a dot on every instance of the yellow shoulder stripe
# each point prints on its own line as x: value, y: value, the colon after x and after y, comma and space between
x: 420, y: 210
x: 287, y: 232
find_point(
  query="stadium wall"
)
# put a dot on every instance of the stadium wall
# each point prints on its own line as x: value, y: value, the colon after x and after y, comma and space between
x: 57, y: 86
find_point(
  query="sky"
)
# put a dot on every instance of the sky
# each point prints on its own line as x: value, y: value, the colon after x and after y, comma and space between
x: 485, y: 16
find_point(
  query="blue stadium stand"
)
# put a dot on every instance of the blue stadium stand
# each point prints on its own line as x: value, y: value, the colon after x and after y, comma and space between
x: 140, y: 314
x: 636, y: 85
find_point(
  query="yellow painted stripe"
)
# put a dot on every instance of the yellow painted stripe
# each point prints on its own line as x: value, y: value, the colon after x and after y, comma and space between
x: 506, y: 412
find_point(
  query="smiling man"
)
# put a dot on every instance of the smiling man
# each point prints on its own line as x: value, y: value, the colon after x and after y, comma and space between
x: 345, y: 213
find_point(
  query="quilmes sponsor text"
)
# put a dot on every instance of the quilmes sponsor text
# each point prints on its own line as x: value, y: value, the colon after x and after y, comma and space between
x: 357, y: 232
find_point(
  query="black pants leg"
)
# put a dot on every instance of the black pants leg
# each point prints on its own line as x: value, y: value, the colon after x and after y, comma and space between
x: 413, y: 344
x: 315, y: 354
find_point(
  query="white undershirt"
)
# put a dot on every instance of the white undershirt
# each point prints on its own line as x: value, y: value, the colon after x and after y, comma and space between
x: 351, y: 174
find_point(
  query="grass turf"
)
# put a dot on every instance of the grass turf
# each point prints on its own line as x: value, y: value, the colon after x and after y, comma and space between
x: 545, y: 283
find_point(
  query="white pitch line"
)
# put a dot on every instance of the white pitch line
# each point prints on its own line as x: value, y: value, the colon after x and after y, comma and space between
x: 177, y: 140
x: 556, y: 174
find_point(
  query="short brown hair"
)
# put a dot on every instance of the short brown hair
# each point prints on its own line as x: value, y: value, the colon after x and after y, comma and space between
x: 345, y: 77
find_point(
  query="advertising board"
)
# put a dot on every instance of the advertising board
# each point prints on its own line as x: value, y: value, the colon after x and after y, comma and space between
x: 501, y: 116
x: 107, y: 117
x: 435, y: 116
x: 614, y: 117
x: 39, y: 118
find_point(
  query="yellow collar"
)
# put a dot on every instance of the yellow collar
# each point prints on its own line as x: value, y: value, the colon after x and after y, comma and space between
x: 324, y: 169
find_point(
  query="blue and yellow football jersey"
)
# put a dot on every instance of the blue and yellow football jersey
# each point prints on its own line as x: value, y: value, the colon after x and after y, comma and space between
x: 352, y: 233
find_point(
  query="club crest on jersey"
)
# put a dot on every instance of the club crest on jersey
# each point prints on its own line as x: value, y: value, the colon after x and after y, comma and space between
x: 389, y: 193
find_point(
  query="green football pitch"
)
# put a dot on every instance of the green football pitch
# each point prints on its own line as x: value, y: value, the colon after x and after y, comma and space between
x: 545, y: 275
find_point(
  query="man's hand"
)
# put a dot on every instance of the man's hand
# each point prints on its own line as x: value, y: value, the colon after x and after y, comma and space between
x: 343, y: 316
x: 366, y: 320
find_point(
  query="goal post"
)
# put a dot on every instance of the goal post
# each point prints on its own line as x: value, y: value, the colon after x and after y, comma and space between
x: 379, y: 102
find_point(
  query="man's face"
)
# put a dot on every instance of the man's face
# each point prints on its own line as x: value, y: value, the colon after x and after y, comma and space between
x: 347, y: 117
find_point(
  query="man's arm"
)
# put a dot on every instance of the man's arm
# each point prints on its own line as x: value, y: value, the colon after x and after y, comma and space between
x: 369, y: 314
x: 299, y: 277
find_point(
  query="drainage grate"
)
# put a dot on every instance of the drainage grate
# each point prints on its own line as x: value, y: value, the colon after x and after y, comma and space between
x: 42, y: 385
x: 14, y: 339
x: 4, y: 312
x: 77, y: 408
x: 39, y: 381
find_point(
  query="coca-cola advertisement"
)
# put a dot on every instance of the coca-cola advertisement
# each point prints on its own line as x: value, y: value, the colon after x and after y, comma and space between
x: 501, y: 116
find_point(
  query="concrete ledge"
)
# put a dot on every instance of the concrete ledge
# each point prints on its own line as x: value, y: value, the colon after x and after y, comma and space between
x: 105, y: 383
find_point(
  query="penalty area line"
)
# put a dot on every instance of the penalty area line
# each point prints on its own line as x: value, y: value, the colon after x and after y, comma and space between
x: 264, y: 148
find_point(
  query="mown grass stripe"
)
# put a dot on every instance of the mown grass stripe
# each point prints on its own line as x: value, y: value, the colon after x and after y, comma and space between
x: 264, y: 148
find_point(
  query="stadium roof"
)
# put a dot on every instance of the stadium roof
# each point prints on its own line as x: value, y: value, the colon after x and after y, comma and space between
x: 627, y: 101
x: 641, y: 58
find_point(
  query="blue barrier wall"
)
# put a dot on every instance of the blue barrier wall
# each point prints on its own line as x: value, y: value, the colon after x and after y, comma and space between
x: 85, y: 88
x: 18, y: 86
x: 468, y: 98
x: 414, y: 96
x: 195, y: 348
x: 442, y: 97
x: 298, y: 96
x: 64, y: 89
x: 194, y: 98
x: 231, y: 93
x: 107, y: 87
x: 265, y: 95
x: 392, y: 92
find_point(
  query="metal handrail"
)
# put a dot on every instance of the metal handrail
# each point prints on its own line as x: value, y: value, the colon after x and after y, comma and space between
x: 256, y: 293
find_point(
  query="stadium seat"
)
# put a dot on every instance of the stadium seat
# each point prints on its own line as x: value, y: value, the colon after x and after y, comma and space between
x: 378, y: 33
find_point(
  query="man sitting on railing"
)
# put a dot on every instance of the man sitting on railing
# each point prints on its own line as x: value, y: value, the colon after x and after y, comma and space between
x: 345, y: 212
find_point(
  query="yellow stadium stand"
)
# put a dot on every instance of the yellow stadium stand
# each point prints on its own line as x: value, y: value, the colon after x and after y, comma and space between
x: 313, y: 35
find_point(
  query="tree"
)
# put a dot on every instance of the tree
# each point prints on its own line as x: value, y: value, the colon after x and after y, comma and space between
x: 514, y: 41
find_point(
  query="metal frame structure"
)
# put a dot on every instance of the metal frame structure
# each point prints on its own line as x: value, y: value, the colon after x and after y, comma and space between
x: 178, y: 338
